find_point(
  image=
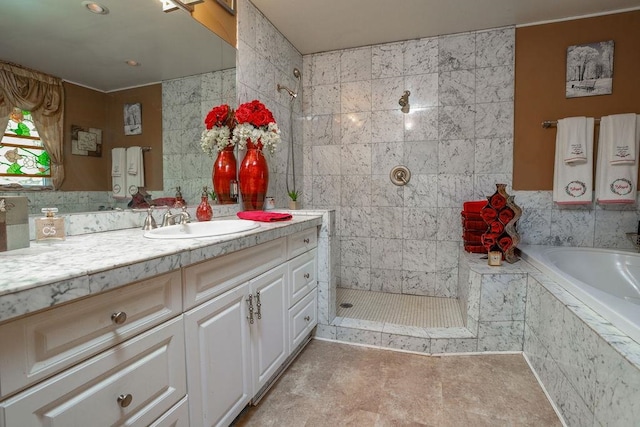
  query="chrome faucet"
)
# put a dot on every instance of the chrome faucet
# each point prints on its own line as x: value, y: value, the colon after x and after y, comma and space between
x: 180, y: 218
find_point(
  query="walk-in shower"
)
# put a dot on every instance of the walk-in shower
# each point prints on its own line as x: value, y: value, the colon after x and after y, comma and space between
x: 291, y: 162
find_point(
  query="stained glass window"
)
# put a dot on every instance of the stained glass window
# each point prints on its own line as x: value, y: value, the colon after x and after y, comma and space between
x: 23, y: 159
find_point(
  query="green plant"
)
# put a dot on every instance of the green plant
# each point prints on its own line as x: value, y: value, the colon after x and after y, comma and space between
x: 293, y: 195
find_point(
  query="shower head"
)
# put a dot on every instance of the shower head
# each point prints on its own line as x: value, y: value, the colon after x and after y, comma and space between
x: 291, y: 93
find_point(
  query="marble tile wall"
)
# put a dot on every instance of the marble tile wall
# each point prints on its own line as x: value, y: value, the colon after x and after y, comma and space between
x: 590, y: 369
x: 265, y: 59
x: 457, y: 141
x: 185, y: 103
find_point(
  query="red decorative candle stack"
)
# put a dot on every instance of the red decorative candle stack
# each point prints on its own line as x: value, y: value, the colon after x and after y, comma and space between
x: 501, y: 215
x: 473, y: 226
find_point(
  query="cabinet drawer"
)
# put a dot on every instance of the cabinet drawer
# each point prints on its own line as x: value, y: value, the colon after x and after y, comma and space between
x: 301, y: 242
x: 46, y: 343
x: 178, y: 416
x: 303, y: 317
x: 211, y: 278
x: 302, y: 276
x: 150, y: 368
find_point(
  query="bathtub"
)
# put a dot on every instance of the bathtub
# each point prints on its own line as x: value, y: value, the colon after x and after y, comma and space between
x: 606, y: 280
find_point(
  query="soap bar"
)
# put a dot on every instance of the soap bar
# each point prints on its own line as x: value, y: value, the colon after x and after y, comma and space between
x: 14, y: 223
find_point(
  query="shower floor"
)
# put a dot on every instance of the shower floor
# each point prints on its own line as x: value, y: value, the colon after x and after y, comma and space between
x: 408, y: 310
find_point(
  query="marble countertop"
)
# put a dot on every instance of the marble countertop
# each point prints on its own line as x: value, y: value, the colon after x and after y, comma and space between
x: 47, y: 274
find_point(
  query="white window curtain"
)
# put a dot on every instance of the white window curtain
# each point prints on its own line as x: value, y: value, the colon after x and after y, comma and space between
x: 43, y: 96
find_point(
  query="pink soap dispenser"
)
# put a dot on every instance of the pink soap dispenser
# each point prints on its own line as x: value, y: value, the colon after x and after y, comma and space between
x: 204, y: 212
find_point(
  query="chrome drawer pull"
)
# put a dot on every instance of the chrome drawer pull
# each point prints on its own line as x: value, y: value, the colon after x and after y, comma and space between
x: 119, y: 318
x: 306, y: 240
x: 307, y: 318
x: 258, y: 305
x: 124, y: 400
x: 250, y: 302
x: 306, y: 275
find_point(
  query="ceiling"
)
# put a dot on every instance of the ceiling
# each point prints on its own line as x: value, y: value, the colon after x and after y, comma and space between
x: 314, y: 26
x: 62, y: 38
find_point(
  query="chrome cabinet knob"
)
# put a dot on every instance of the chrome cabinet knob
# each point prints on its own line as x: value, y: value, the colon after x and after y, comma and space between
x: 124, y: 400
x: 306, y: 240
x: 119, y: 318
x: 306, y: 275
x: 307, y: 318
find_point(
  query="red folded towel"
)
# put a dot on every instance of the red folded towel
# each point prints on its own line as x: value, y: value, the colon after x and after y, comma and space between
x: 506, y: 215
x: 474, y: 206
x: 473, y: 216
x: 264, y: 216
x: 474, y: 226
x: 475, y: 249
x: 488, y: 214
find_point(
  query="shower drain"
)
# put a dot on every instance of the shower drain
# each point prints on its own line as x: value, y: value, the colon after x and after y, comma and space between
x: 346, y: 305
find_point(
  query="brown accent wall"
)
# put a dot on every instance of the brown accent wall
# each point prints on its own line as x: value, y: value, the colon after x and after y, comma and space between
x: 540, y: 68
x: 150, y: 98
x: 90, y: 108
x: 86, y: 108
x: 217, y: 19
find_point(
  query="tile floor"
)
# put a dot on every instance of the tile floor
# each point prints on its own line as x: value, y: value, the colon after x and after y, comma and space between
x: 399, y: 309
x: 335, y: 384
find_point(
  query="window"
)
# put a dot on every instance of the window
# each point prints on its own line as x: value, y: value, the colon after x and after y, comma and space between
x: 23, y: 159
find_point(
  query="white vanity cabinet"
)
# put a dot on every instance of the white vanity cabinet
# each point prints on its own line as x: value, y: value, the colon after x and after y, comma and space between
x: 241, y: 338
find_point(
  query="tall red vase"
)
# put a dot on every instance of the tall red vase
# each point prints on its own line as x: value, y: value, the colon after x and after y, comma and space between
x: 253, y: 177
x: 224, y: 171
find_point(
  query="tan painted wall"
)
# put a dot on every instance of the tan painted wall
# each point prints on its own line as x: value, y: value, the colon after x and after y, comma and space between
x: 540, y: 68
x: 89, y: 108
x: 217, y: 19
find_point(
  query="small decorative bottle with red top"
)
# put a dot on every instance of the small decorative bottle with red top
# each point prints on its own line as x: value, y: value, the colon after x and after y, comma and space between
x: 204, y: 212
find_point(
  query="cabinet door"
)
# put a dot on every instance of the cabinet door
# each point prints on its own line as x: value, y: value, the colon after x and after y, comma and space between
x: 218, y: 358
x: 131, y: 384
x: 269, y: 330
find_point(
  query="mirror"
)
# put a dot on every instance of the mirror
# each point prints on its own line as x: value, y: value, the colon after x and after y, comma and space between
x: 63, y: 38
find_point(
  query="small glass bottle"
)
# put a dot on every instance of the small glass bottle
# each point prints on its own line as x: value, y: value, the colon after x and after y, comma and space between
x: 49, y: 227
x: 179, y: 200
x: 204, y: 212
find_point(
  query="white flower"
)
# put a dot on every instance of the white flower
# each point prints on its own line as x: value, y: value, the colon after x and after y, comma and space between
x: 269, y: 137
x: 215, y: 140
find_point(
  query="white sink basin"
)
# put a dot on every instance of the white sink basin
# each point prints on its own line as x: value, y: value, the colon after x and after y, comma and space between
x: 201, y: 229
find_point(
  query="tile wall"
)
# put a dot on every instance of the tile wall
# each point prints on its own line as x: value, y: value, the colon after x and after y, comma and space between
x: 185, y: 103
x: 266, y: 59
x: 457, y: 142
x: 590, y: 369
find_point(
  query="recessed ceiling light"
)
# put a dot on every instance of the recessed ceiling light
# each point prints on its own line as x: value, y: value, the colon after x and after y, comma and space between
x: 133, y: 63
x: 96, y: 8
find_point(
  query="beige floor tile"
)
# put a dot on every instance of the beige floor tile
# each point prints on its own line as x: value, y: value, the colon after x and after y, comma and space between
x: 335, y: 384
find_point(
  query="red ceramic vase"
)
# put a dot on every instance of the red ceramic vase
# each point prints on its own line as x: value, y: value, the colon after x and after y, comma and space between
x: 224, y: 171
x: 253, y: 177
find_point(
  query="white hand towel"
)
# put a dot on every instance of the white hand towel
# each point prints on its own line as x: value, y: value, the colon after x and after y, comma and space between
x: 621, y: 130
x: 573, y: 182
x: 135, y: 170
x: 118, y: 176
x: 572, y: 134
x: 615, y: 182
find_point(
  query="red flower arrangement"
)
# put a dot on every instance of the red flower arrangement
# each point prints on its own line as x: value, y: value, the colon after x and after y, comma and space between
x: 255, y: 123
x: 219, y: 124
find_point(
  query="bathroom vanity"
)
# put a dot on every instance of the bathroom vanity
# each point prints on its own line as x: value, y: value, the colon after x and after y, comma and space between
x: 115, y: 329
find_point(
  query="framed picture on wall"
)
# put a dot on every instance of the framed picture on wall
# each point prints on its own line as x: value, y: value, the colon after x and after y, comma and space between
x: 589, y: 69
x: 133, y: 119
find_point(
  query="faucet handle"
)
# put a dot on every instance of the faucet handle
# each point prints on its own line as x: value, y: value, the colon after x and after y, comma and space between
x: 166, y: 218
x: 149, y: 221
x: 186, y: 217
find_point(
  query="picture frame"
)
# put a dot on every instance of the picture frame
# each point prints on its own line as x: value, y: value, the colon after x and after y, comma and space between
x: 133, y: 119
x: 228, y: 5
x: 590, y: 69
